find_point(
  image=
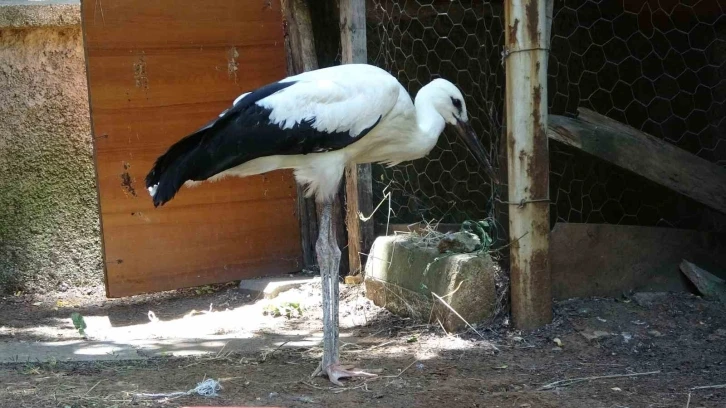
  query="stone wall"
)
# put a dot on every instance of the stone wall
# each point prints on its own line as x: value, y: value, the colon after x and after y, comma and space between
x: 49, y: 224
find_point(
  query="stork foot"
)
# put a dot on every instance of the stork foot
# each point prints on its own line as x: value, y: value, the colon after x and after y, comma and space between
x: 337, y: 371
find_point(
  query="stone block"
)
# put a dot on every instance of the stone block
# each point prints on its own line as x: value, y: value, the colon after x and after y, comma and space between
x: 271, y: 287
x: 403, y: 271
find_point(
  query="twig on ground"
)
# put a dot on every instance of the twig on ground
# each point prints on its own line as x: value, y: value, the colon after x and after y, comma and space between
x: 381, y: 345
x: 316, y: 387
x: 221, y: 350
x: 702, y: 387
x: 442, y: 327
x: 379, y: 331
x: 265, y: 355
x: 568, y: 382
x: 708, y: 387
x: 220, y: 355
x: 94, y: 386
x: 462, y: 319
x: 348, y: 345
x: 448, y: 306
x: 337, y: 390
x: 397, y: 375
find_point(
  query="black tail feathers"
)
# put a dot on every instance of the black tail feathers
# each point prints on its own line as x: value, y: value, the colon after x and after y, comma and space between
x: 172, y: 169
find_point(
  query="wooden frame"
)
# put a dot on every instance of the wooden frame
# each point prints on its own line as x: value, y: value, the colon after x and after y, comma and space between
x: 527, y: 40
x: 359, y: 183
x: 300, y: 49
x: 302, y: 52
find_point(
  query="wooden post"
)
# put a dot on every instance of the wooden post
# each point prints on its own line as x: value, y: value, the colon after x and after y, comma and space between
x: 359, y: 184
x: 301, y: 56
x: 528, y: 161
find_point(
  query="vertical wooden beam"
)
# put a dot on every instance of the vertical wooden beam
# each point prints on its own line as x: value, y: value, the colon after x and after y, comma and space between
x: 299, y: 39
x: 528, y: 161
x: 359, y: 183
x: 301, y: 57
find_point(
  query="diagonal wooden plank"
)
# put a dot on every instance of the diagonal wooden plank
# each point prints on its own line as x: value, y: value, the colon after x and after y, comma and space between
x: 643, y: 154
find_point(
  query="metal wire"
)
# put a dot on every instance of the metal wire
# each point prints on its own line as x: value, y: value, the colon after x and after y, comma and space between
x: 657, y: 66
x: 418, y: 41
x: 507, y: 52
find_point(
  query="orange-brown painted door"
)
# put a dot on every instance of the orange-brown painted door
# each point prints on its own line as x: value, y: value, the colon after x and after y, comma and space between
x: 158, y: 70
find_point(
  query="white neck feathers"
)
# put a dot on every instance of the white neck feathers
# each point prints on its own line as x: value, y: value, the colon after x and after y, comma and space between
x: 429, y: 120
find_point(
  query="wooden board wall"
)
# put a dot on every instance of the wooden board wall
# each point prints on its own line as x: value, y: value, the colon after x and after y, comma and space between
x: 158, y: 70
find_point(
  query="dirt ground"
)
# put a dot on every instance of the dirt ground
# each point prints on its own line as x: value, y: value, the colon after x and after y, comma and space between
x: 658, y: 347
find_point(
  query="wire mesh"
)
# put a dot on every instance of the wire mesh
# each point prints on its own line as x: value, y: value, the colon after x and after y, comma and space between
x: 659, y: 66
x: 418, y: 41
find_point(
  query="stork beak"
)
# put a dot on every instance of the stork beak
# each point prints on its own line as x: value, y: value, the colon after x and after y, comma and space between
x: 467, y: 134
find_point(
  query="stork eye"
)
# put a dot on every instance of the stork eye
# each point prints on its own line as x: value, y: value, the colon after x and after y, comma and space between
x: 457, y: 103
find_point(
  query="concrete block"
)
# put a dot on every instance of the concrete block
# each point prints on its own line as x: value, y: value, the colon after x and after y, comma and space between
x: 403, y: 271
x: 271, y: 287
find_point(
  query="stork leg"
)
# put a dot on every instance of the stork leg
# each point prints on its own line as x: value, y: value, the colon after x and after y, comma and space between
x: 329, y: 262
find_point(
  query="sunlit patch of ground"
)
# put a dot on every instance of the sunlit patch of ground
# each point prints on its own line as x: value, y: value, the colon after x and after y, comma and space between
x: 620, y: 352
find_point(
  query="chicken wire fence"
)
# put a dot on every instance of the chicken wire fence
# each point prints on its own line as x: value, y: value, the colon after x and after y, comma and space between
x: 461, y: 41
x: 659, y: 66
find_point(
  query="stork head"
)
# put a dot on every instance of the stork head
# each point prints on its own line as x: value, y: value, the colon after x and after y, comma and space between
x: 448, y: 101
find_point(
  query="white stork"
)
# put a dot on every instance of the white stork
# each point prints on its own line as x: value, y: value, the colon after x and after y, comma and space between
x: 317, y: 123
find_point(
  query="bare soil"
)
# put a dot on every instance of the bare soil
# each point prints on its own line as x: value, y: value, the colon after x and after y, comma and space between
x: 676, y: 341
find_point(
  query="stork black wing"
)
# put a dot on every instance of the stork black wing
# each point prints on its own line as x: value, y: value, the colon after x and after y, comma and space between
x: 242, y: 133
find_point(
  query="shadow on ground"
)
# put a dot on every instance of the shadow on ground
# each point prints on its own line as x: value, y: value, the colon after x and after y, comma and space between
x: 460, y: 373
x: 644, y: 350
